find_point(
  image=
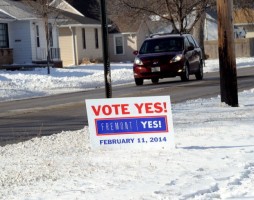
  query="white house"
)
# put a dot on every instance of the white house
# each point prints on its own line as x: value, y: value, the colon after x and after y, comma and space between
x: 23, y: 32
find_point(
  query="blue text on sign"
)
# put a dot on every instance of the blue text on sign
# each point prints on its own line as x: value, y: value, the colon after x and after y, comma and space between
x: 151, y: 124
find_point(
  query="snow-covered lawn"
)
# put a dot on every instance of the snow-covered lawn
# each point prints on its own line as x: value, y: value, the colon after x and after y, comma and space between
x: 213, y: 158
x: 25, y: 84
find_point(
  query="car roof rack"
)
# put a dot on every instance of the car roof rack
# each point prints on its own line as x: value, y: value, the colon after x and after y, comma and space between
x: 164, y: 34
x: 159, y: 34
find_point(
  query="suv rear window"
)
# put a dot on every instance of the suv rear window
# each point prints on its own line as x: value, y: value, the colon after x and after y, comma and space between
x: 159, y: 45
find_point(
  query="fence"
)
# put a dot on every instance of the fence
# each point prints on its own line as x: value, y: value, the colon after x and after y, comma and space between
x: 243, y: 48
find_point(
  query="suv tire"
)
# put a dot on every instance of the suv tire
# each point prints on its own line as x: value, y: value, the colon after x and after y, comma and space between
x: 155, y: 80
x: 185, y: 75
x: 139, y: 81
x: 199, y: 75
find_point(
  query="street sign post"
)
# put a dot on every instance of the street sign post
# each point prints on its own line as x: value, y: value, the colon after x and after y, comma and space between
x: 107, y: 73
x: 226, y: 44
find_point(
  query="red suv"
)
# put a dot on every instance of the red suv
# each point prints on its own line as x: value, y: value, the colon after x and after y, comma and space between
x: 163, y: 56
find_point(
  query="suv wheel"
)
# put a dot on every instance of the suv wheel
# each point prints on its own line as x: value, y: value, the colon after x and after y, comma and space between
x: 199, y: 75
x: 139, y: 81
x: 155, y: 80
x: 185, y: 75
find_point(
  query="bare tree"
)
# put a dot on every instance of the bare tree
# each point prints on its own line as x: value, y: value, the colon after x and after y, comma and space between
x: 244, y: 9
x: 182, y: 14
x: 185, y: 16
x: 89, y: 8
x: 198, y: 31
x: 243, y: 4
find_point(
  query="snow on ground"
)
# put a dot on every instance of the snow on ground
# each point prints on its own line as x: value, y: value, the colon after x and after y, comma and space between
x: 213, y: 158
x: 25, y: 84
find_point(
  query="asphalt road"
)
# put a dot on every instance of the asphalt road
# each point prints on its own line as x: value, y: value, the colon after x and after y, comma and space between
x: 23, y: 119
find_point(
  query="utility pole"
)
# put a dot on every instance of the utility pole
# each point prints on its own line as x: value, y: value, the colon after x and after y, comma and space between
x: 107, y: 73
x: 226, y: 45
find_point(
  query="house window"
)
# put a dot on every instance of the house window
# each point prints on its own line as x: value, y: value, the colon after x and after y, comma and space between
x: 4, y: 40
x: 37, y: 36
x: 51, y: 43
x: 96, y: 38
x: 118, y: 45
x: 84, y: 38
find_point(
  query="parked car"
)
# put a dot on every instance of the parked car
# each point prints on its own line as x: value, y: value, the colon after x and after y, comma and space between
x: 163, y: 56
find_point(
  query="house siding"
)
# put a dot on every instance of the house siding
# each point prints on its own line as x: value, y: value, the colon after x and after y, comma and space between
x: 66, y: 46
x: 250, y: 35
x: 20, y: 41
x: 132, y: 42
x: 243, y: 48
x: 129, y: 45
x: 91, y: 52
x: 250, y: 32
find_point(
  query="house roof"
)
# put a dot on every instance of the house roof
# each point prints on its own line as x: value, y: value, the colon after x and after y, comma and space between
x: 244, y: 16
x: 71, y: 19
x: 126, y: 25
x: 5, y: 17
x: 17, y: 10
x: 122, y: 24
x: 63, y: 5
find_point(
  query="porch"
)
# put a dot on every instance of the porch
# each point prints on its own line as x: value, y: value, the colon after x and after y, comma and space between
x: 41, y: 54
x: 54, y: 57
x: 6, y: 56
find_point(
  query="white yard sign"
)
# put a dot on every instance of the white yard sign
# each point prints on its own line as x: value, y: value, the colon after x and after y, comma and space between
x: 131, y: 123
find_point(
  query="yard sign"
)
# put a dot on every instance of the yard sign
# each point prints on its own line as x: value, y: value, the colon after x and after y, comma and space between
x: 130, y: 123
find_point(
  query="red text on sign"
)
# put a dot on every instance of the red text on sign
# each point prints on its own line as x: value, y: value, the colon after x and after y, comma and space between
x: 116, y: 109
x: 149, y: 108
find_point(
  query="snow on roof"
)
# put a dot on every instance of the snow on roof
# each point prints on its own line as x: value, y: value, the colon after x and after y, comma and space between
x: 72, y: 19
x: 5, y: 16
x: 63, y: 5
x: 18, y: 10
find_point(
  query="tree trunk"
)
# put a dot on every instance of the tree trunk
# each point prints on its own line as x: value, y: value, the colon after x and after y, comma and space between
x: 198, y: 32
x: 47, y: 42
